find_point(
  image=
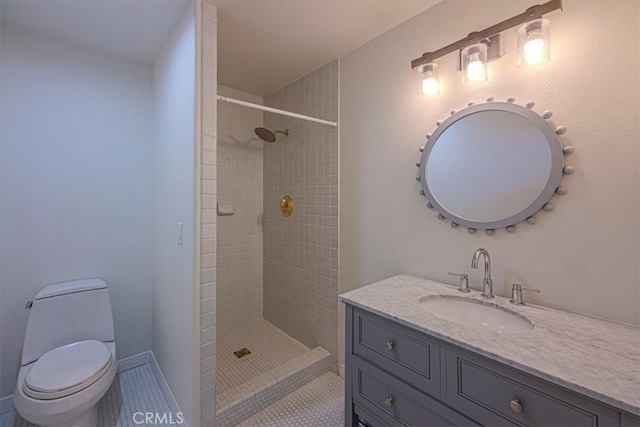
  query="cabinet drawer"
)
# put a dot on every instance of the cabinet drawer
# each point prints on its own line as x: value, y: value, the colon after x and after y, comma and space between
x: 484, y: 390
x: 397, y: 403
x: 407, y: 354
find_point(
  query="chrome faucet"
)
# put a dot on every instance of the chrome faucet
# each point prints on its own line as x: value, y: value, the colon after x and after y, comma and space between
x: 487, y: 284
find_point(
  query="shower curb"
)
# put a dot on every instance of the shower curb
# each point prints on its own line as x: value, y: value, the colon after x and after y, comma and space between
x: 250, y: 397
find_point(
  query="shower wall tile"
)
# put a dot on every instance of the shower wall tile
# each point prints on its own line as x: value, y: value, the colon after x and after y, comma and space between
x: 301, y: 251
x: 208, y: 219
x: 239, y: 236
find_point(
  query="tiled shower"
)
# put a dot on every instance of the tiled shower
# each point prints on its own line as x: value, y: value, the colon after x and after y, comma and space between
x: 240, y: 178
x: 301, y: 251
x: 277, y: 276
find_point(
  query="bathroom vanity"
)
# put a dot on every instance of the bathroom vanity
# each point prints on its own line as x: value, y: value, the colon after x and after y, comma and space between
x: 407, y: 366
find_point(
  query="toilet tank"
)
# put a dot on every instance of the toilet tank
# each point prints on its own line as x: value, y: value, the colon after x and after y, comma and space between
x: 67, y: 312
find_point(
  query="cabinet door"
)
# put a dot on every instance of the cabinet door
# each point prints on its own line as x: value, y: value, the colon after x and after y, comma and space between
x: 494, y: 394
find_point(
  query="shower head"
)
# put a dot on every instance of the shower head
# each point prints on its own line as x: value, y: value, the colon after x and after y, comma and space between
x: 268, y: 136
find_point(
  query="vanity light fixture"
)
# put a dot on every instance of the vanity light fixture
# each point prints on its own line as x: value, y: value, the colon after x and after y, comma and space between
x: 479, y: 47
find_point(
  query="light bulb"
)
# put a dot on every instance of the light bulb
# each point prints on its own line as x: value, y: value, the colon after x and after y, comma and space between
x: 475, y: 69
x: 533, y: 51
x: 534, y: 39
x: 474, y: 63
x: 430, y: 85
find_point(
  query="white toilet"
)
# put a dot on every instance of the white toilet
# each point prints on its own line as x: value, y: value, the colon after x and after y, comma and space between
x: 69, y: 355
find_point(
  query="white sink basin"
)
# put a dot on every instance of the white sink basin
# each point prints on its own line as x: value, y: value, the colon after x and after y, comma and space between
x: 476, y: 314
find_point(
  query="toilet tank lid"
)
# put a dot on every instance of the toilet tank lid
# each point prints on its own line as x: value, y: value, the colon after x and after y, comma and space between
x: 65, y: 288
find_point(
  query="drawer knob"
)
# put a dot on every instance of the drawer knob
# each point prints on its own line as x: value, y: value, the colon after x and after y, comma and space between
x: 515, y: 406
x: 389, y: 402
x: 389, y: 345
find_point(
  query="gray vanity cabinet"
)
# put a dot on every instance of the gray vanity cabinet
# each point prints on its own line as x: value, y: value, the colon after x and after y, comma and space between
x: 396, y: 375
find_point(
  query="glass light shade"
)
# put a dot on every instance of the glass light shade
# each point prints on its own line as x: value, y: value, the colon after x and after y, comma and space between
x: 474, y: 63
x: 429, y: 80
x: 534, y: 43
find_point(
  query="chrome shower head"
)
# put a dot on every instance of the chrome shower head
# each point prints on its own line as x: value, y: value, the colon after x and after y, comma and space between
x: 268, y: 136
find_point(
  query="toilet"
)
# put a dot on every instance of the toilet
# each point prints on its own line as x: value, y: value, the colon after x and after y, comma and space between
x: 68, y: 356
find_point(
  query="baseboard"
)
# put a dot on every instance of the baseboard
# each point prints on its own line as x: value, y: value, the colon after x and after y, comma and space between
x: 164, y: 386
x: 134, y: 361
x: 6, y: 403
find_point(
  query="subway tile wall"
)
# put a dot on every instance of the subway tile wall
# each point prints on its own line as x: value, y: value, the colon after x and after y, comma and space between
x: 239, y: 238
x: 301, y: 251
x: 208, y: 160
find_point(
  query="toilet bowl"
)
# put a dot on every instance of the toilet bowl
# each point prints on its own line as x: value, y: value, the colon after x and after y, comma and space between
x: 69, y: 357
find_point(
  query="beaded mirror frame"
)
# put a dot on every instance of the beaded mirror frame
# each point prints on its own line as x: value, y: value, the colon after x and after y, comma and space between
x: 552, y: 186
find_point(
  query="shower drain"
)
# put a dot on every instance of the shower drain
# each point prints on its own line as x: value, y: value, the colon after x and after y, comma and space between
x: 242, y: 353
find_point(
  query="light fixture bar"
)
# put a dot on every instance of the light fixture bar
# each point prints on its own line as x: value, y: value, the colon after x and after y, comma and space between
x: 534, y: 12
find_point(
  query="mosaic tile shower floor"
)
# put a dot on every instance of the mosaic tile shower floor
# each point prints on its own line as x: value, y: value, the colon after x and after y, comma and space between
x: 134, y: 390
x: 269, y: 346
x: 320, y: 403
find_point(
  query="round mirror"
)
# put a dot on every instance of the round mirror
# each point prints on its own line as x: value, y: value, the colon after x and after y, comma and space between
x: 491, y: 165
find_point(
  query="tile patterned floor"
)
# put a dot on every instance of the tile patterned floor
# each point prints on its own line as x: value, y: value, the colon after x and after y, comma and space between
x: 269, y: 346
x: 134, y: 390
x: 320, y: 403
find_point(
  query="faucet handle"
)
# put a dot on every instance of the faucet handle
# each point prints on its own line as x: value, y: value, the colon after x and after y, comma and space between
x: 527, y: 289
x: 516, y: 293
x: 464, y: 281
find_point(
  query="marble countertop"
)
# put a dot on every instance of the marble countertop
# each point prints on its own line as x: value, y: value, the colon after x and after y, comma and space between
x: 594, y: 357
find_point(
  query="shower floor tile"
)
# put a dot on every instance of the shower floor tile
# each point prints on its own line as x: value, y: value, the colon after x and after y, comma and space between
x: 319, y: 403
x: 133, y: 390
x: 269, y: 347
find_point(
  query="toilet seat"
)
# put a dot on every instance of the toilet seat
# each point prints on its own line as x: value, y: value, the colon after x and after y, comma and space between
x: 68, y: 369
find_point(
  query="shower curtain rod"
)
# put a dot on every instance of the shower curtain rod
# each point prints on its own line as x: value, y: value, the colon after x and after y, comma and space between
x: 275, y: 110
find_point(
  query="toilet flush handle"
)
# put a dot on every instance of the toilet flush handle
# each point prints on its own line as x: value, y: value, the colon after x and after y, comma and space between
x: 28, y: 305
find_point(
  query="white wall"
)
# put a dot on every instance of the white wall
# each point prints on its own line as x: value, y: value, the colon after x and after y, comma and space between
x: 584, y: 255
x: 174, y: 202
x: 76, y: 179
